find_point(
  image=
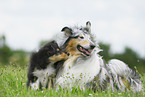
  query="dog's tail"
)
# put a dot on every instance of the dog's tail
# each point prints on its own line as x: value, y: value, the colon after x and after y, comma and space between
x: 123, y: 77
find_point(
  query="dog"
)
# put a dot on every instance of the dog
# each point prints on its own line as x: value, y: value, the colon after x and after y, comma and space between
x: 41, y: 67
x: 75, y: 62
x: 48, y: 59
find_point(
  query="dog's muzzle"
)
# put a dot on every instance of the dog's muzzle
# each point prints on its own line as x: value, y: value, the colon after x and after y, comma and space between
x: 85, y: 51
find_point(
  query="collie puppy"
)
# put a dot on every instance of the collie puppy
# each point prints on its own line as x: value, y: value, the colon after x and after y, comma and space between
x: 75, y: 62
x: 41, y: 67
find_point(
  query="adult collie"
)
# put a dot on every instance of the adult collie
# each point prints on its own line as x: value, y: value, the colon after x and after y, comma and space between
x: 73, y: 60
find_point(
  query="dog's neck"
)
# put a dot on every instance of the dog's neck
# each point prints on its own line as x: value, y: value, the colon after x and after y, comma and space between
x: 70, y: 61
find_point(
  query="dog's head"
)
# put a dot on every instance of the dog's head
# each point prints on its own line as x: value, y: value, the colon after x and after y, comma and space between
x: 79, y: 41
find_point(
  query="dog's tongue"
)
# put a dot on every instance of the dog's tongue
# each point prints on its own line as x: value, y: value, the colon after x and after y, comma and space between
x: 83, y: 50
x: 88, y: 53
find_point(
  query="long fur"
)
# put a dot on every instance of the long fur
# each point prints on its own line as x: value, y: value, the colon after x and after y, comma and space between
x: 124, y: 77
x: 81, y: 66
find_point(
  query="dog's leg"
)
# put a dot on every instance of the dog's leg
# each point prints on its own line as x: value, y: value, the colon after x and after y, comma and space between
x: 43, y: 75
x: 55, y: 58
x: 35, y: 85
x: 33, y: 81
x: 43, y: 81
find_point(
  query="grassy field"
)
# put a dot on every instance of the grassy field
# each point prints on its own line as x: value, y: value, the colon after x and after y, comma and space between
x: 13, y: 84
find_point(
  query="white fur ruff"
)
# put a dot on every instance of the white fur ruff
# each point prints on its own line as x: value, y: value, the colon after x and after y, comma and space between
x: 78, y: 72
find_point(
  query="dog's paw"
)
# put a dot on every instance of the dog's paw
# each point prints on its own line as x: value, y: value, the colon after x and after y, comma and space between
x: 62, y: 56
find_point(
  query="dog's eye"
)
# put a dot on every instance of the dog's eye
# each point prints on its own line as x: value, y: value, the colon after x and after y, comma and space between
x: 81, y: 37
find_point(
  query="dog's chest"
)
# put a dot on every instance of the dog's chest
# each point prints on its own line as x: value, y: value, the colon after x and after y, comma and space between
x: 44, y: 72
x: 87, y: 69
x: 81, y: 72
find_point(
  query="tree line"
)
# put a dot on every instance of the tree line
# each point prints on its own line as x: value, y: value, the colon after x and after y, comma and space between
x: 9, y: 56
x: 20, y: 58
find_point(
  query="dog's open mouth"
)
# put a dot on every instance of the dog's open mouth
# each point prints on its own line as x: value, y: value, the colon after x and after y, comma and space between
x: 84, y: 51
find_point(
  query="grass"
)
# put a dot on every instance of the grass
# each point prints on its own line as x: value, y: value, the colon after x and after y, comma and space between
x: 13, y: 84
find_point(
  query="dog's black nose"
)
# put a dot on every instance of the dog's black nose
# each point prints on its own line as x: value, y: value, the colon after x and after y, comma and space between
x: 92, y: 46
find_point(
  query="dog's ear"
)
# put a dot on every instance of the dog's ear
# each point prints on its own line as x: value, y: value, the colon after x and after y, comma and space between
x: 88, y: 25
x: 67, y: 31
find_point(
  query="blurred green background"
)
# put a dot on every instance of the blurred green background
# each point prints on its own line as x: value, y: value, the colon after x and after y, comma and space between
x: 20, y: 58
